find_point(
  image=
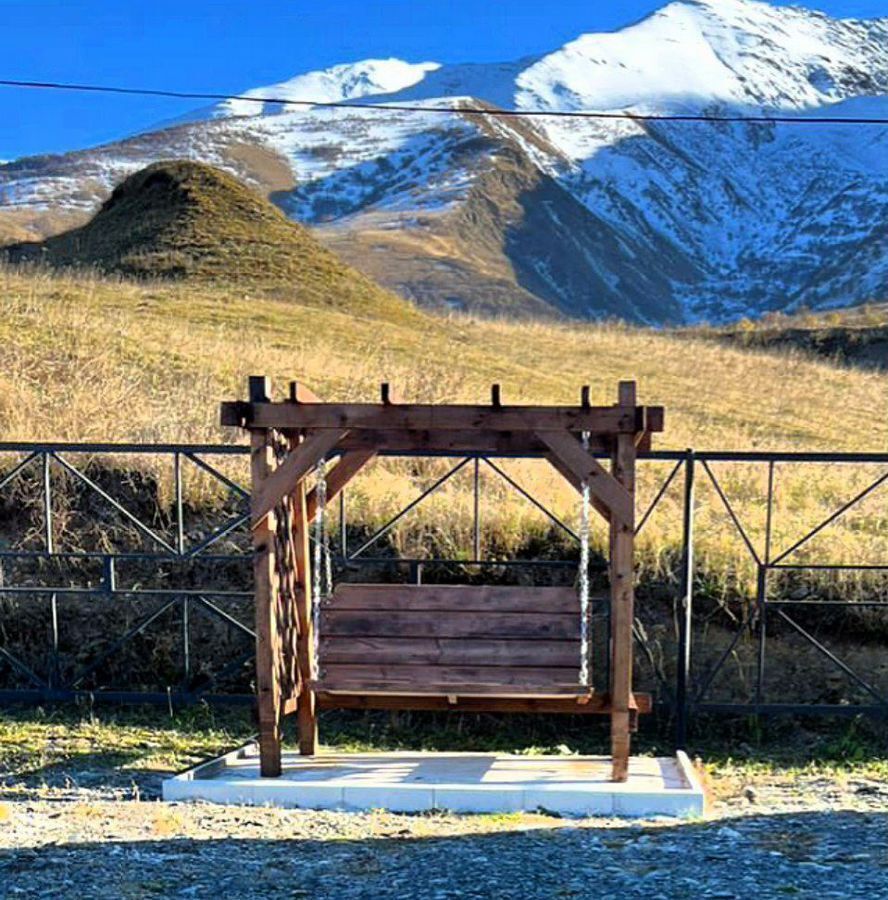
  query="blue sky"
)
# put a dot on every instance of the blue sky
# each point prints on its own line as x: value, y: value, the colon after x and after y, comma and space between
x: 230, y: 45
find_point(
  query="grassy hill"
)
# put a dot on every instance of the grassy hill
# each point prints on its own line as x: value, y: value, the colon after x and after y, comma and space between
x: 855, y: 336
x: 98, y: 359
x: 188, y: 221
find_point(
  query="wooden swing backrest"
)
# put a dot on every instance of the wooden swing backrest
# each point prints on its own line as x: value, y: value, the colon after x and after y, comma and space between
x: 444, y: 639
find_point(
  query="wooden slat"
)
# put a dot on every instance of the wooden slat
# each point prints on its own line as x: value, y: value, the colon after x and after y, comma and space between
x: 457, y: 599
x: 359, y: 623
x: 596, y: 704
x: 448, y: 652
x: 450, y: 679
x: 431, y: 417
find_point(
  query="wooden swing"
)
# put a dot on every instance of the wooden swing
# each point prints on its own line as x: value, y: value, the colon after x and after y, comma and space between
x: 472, y: 648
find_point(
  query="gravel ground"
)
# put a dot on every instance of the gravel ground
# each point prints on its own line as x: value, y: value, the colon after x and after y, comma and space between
x: 764, y: 836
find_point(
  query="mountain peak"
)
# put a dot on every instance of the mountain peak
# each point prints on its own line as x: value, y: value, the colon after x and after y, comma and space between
x: 347, y: 81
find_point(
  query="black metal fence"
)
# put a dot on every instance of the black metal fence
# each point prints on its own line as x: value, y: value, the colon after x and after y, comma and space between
x: 97, y: 559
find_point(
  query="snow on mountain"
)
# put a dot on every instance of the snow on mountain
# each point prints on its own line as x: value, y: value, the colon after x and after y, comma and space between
x: 351, y: 81
x: 693, y: 54
x: 735, y: 219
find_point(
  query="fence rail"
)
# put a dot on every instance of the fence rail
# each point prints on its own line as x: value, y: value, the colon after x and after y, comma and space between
x: 179, y: 577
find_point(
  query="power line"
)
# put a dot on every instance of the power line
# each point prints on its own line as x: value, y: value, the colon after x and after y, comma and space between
x: 415, y: 108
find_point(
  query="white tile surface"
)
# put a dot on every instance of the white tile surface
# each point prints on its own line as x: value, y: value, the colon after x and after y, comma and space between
x: 461, y: 782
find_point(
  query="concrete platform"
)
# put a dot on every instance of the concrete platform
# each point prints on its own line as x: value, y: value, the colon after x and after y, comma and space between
x: 461, y: 782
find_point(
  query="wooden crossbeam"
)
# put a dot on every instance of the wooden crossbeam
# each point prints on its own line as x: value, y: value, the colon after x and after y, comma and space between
x: 349, y: 465
x: 298, y: 463
x: 596, y: 704
x: 431, y: 417
x: 569, y: 453
x: 455, y: 443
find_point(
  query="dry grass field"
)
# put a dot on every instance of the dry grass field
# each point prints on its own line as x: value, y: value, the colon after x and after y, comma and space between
x: 96, y: 359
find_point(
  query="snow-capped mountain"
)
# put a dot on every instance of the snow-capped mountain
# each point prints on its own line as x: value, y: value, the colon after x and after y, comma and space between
x: 651, y: 221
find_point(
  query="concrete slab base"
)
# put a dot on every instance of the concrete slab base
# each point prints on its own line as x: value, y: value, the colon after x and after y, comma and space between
x: 460, y: 782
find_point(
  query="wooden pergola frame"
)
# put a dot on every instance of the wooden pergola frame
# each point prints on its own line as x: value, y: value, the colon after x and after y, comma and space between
x: 288, y: 440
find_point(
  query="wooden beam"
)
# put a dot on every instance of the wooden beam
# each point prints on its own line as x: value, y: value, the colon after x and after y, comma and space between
x: 570, y: 454
x: 350, y: 463
x: 306, y: 712
x: 596, y: 704
x: 298, y: 463
x: 268, y: 687
x: 570, y: 476
x: 456, y: 443
x: 430, y: 417
x: 622, y: 541
x: 626, y: 393
x: 259, y: 389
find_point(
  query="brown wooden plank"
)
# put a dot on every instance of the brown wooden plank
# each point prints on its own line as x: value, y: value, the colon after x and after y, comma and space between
x: 449, y: 652
x: 466, y: 680
x: 268, y: 687
x: 596, y: 704
x: 306, y: 713
x: 298, y: 463
x: 361, y: 623
x: 456, y: 598
x: 423, y: 417
x: 602, y: 485
x: 622, y: 604
x: 457, y: 442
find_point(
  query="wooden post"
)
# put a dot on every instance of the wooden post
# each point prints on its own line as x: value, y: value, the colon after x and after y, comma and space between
x: 622, y: 540
x: 268, y: 687
x: 306, y: 713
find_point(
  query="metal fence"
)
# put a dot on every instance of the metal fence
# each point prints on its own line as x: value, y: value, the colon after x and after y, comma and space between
x: 98, y: 570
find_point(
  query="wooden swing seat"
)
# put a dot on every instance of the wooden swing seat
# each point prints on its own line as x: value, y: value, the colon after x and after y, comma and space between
x: 451, y: 642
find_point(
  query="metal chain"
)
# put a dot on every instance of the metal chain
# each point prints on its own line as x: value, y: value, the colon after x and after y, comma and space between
x: 321, y: 570
x: 583, y: 586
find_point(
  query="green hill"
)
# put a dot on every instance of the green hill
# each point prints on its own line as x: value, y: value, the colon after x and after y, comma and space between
x: 188, y: 221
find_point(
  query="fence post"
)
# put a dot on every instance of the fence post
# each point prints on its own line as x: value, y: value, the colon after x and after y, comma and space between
x: 49, y: 541
x: 761, y: 605
x: 683, y: 667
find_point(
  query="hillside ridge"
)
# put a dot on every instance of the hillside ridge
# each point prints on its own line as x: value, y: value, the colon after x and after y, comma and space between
x: 184, y: 220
